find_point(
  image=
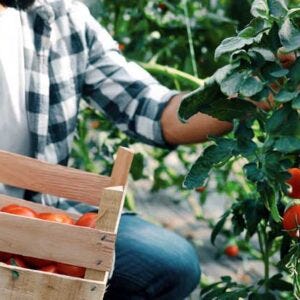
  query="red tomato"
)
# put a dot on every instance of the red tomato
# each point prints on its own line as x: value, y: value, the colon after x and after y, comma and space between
x: 36, y: 263
x: 70, y: 270
x: 294, y: 182
x: 4, y: 256
x: 19, y: 210
x: 87, y: 220
x: 232, y: 250
x: 49, y: 269
x: 291, y: 219
x: 16, y: 261
x: 56, y: 217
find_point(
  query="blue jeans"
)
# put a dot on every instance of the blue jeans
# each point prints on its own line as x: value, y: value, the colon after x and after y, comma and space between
x: 152, y: 263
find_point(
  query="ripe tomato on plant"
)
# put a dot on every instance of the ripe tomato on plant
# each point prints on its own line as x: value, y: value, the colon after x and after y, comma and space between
x: 291, y: 219
x: 87, y: 220
x: 19, y: 210
x: 231, y: 250
x: 56, y: 217
x: 70, y: 270
x: 294, y: 182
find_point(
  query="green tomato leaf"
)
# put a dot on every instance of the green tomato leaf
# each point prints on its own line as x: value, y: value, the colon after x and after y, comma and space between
x: 254, y: 212
x: 277, y: 282
x: 296, y: 103
x: 278, y: 8
x: 279, y: 73
x: 265, y: 53
x: 231, y: 44
x: 260, y: 8
x: 210, y: 100
x: 264, y: 296
x: 253, y: 173
x: 137, y: 168
x: 219, y: 226
x: 275, y: 123
x: 287, y: 144
x: 294, y: 74
x: 289, y: 36
x: 213, y: 155
x: 251, y: 86
x: 274, y: 209
x: 223, y: 72
x: 285, y: 96
x: 231, y: 84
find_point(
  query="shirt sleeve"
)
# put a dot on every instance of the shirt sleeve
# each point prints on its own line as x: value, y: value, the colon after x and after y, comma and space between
x: 123, y: 91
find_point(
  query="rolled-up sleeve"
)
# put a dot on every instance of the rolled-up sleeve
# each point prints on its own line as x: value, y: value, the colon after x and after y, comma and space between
x: 123, y: 91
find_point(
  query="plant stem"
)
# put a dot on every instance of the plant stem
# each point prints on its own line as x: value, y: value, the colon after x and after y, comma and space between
x: 264, y: 248
x: 174, y: 73
x: 190, y: 39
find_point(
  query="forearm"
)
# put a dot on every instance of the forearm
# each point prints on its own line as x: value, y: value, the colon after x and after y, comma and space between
x: 196, y: 130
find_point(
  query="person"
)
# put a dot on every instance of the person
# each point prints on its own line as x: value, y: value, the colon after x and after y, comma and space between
x: 53, y: 54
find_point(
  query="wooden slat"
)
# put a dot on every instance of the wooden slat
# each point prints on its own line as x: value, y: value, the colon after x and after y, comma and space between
x: 22, y: 284
x: 32, y: 174
x: 70, y: 244
x: 112, y: 202
x: 39, y: 208
x: 120, y: 172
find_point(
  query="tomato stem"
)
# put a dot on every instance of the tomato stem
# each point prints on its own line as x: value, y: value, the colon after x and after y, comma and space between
x: 264, y: 248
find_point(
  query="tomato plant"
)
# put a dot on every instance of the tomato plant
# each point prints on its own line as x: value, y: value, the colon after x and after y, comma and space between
x: 266, y: 139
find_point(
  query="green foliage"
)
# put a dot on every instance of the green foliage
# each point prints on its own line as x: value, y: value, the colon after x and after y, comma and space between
x: 268, y: 141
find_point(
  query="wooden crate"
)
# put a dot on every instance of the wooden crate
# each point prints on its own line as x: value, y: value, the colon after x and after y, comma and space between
x: 80, y: 246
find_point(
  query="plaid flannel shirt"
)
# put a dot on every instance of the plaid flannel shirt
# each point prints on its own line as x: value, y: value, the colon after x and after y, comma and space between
x: 69, y: 57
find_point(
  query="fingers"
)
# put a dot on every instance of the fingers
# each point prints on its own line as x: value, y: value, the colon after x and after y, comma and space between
x: 286, y: 59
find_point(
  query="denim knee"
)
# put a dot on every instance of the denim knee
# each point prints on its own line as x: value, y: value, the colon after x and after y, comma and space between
x: 152, y: 263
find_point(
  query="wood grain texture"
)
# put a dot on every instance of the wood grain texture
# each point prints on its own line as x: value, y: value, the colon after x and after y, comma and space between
x: 32, y: 174
x: 76, y: 245
x: 23, y: 284
x: 121, y: 168
x: 39, y: 208
x: 109, y: 217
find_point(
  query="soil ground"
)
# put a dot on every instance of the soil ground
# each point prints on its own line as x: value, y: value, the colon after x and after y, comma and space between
x: 169, y: 210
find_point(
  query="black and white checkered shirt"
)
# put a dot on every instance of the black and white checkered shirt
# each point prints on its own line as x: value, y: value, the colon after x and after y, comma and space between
x: 69, y: 57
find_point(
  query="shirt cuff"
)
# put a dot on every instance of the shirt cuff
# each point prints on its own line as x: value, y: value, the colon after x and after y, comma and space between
x: 158, y: 132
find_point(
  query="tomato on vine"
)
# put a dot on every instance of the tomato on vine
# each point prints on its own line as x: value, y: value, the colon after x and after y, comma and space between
x: 291, y: 219
x: 232, y: 250
x: 294, y: 182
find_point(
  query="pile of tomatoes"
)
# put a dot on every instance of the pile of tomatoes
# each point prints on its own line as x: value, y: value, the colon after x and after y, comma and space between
x: 86, y: 220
